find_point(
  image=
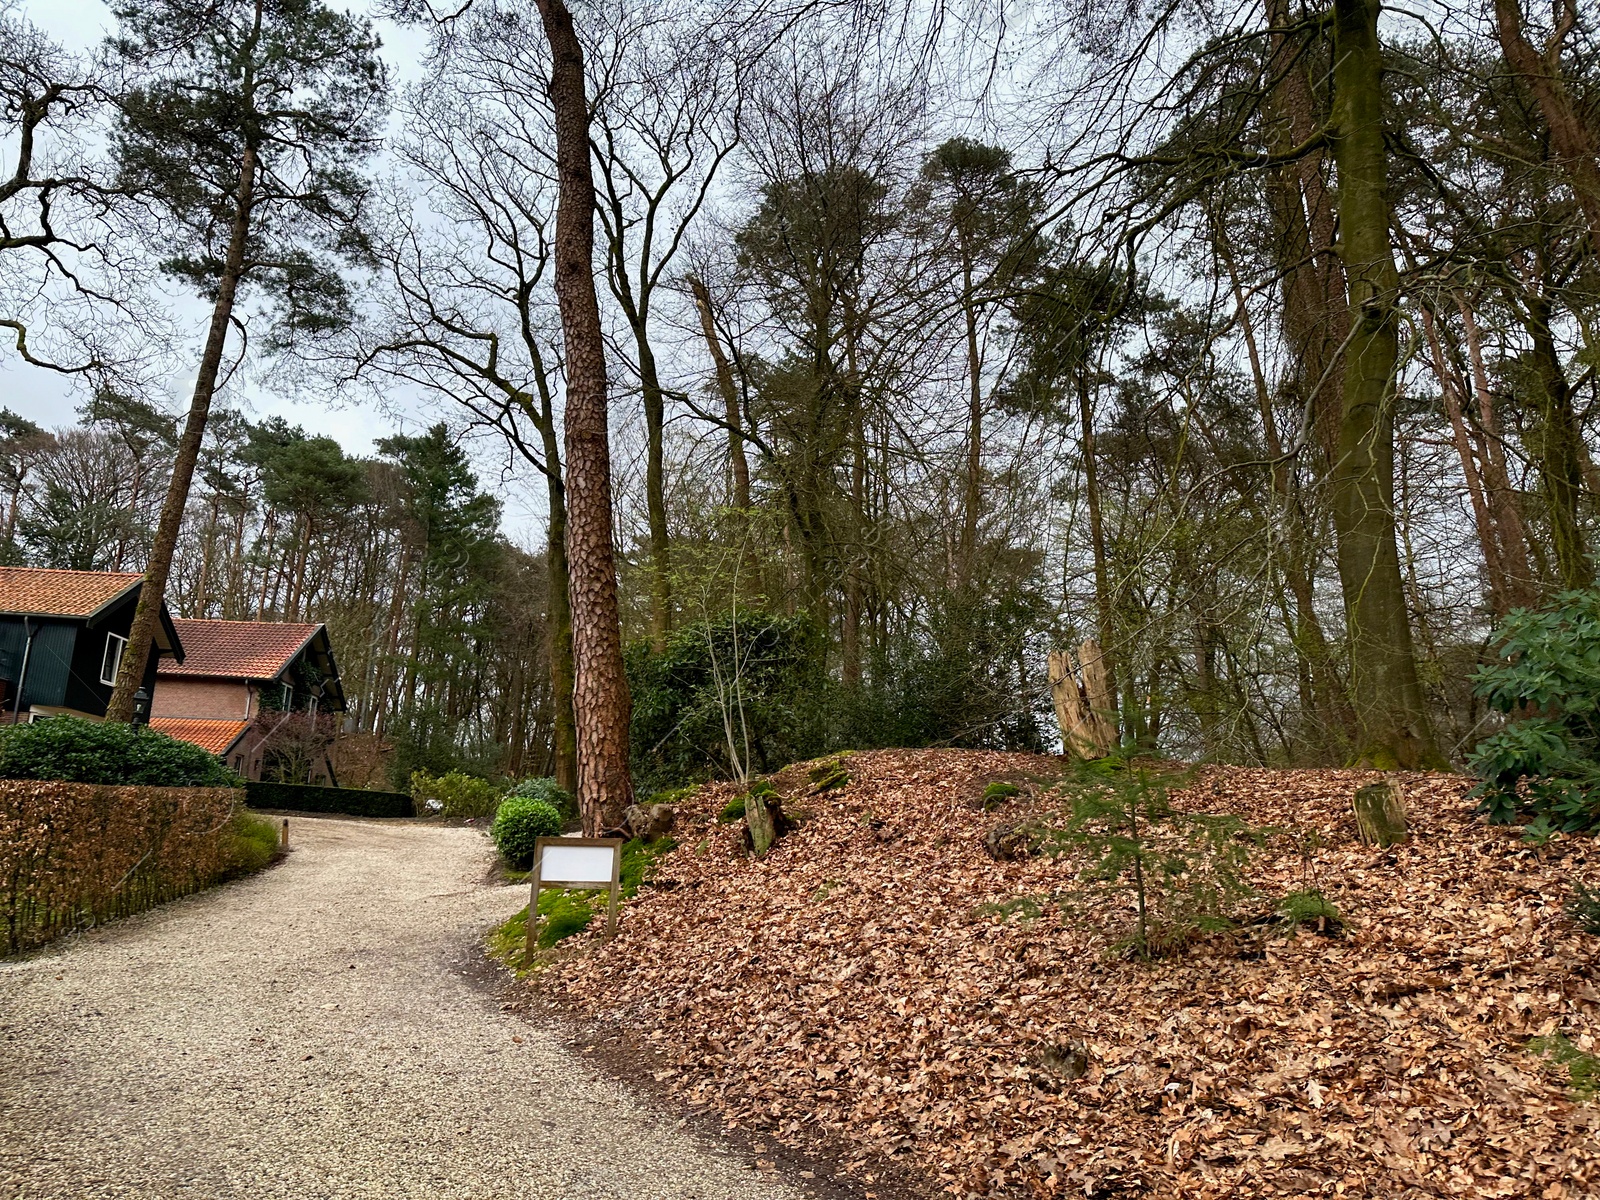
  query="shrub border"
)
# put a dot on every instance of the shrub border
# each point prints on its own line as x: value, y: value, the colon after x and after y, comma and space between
x: 310, y: 798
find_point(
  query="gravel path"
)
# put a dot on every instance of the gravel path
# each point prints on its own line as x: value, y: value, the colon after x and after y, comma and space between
x: 310, y: 1034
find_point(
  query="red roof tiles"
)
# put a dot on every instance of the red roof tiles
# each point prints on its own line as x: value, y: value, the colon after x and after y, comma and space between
x: 36, y: 590
x: 238, y: 649
x: 215, y: 736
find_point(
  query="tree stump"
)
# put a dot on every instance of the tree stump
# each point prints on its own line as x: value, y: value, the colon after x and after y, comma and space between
x: 1014, y: 840
x: 762, y: 812
x: 1380, y: 810
x: 1082, y: 709
x: 649, y: 821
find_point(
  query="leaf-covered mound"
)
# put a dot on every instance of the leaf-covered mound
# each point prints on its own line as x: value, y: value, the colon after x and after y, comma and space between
x: 878, y: 981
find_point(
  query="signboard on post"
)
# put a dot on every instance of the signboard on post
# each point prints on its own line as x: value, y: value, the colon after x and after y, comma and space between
x: 594, y: 864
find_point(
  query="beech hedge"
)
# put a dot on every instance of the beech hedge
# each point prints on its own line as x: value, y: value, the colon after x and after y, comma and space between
x: 351, y: 802
x: 76, y: 854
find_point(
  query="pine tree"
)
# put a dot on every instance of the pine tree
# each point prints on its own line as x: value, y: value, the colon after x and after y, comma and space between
x: 245, y: 125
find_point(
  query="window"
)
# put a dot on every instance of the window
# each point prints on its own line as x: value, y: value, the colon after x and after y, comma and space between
x: 115, y: 644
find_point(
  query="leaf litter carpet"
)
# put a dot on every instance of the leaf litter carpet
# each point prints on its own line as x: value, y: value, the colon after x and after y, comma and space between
x: 850, y: 991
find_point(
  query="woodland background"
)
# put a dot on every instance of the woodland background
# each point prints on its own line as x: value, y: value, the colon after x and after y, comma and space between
x: 938, y: 341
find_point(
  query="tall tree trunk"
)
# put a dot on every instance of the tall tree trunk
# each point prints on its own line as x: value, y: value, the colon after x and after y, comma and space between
x: 1574, y: 142
x: 1318, y: 675
x: 1391, y: 717
x: 600, y: 694
x: 1482, y: 516
x: 738, y: 465
x: 1504, y: 502
x: 147, y: 613
x: 563, y: 733
x: 972, y: 502
x: 1558, y: 447
x: 1105, y: 609
x: 655, y: 491
x: 1316, y: 321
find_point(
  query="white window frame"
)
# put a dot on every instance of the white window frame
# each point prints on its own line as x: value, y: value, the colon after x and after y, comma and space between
x: 121, y: 643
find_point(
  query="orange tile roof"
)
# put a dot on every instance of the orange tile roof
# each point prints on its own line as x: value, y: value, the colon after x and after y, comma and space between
x: 37, y: 590
x: 215, y: 736
x: 237, y: 649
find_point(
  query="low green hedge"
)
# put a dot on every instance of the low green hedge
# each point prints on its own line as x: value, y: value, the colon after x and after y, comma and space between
x: 354, y: 802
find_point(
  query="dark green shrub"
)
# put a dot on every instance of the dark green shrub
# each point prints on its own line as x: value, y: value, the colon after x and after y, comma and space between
x: 544, y: 787
x: 681, y: 693
x: 350, y: 802
x: 74, y: 750
x: 519, y: 825
x: 455, y: 795
x: 1544, y: 767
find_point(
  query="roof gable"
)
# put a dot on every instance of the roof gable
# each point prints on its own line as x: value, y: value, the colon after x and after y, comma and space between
x: 238, y: 649
x: 44, y: 592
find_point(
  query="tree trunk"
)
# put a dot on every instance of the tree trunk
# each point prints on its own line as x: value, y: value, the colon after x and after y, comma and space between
x: 563, y: 736
x: 1315, y: 319
x: 1319, y: 690
x: 655, y: 491
x: 1571, y: 137
x: 1504, y: 502
x: 737, y: 463
x: 600, y: 701
x: 1558, y: 449
x: 1391, y: 718
x: 972, y: 503
x: 147, y: 614
x: 1105, y: 611
x: 1483, y: 518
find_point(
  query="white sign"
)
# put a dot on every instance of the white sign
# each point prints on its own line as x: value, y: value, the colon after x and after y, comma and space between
x: 574, y: 863
x: 563, y: 866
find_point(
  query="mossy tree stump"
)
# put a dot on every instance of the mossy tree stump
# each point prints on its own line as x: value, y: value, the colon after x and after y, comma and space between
x: 1380, y: 810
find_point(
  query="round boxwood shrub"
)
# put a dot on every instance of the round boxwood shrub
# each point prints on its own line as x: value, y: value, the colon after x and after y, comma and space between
x: 74, y: 750
x: 520, y: 823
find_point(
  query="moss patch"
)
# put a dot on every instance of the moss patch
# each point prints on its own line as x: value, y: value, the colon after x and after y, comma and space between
x: 1582, y: 1070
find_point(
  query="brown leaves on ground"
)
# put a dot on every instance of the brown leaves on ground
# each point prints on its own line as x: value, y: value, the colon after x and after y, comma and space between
x: 846, y: 988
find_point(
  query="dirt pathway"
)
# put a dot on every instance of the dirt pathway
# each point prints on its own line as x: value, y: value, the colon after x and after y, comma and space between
x: 310, y: 1034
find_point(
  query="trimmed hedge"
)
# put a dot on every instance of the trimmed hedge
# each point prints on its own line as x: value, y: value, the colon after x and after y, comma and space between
x: 77, y: 854
x: 353, y: 802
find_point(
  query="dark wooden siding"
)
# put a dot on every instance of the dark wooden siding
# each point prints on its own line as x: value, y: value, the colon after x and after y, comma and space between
x: 50, y: 666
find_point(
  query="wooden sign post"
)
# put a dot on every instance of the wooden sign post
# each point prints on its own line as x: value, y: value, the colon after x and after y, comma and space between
x: 561, y: 862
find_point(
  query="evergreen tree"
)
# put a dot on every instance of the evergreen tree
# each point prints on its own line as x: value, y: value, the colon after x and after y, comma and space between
x: 245, y: 125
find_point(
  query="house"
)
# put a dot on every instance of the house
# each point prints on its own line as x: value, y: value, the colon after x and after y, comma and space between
x: 261, y: 694
x: 62, y: 635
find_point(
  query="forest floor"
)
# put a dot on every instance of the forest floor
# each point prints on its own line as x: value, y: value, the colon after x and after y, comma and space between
x: 878, y: 985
